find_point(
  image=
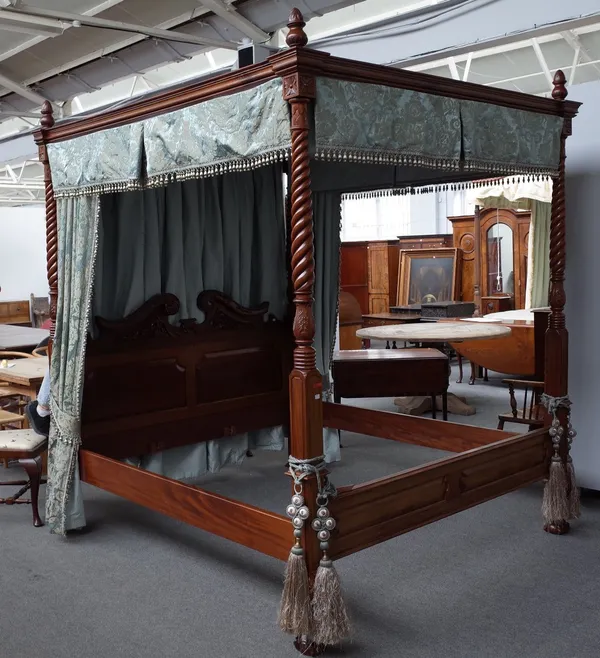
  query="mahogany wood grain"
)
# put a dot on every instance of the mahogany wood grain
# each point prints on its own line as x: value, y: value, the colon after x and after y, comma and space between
x: 389, y: 373
x: 251, y: 526
x: 376, y: 511
x: 426, y: 432
x: 354, y: 272
x: 150, y: 385
x: 305, y: 383
x: 513, y: 354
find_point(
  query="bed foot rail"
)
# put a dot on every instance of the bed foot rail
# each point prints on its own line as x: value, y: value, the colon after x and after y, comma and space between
x: 306, y: 647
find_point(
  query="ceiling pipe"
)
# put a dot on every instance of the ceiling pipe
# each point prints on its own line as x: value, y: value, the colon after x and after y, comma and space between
x: 78, y: 20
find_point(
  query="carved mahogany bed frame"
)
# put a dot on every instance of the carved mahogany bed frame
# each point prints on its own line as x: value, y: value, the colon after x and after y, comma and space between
x: 487, y: 463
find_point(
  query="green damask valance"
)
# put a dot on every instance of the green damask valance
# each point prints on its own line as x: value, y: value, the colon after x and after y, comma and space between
x: 362, y: 122
x: 110, y: 160
x: 508, y: 141
x: 231, y: 133
x: 368, y: 123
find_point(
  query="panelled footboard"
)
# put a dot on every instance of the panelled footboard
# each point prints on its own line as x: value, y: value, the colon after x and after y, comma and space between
x: 376, y: 511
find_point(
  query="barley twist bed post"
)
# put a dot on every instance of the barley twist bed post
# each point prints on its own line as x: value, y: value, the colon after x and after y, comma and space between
x: 297, y: 614
x: 563, y: 503
x: 47, y: 122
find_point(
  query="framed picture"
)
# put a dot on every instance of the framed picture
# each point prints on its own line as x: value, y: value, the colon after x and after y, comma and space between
x: 428, y: 275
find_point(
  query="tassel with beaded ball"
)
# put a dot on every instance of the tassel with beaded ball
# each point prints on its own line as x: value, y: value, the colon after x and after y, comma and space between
x: 294, y: 609
x: 330, y: 619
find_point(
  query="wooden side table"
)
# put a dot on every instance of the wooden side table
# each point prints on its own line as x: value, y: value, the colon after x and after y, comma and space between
x: 392, y: 373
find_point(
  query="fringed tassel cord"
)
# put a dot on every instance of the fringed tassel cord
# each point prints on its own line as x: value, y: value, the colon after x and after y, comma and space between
x: 561, y: 500
x: 294, y: 609
x: 331, y: 624
x: 325, y: 618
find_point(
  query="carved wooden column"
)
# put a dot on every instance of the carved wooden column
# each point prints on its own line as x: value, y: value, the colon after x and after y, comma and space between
x: 477, y: 262
x: 556, y: 367
x: 47, y: 122
x: 306, y: 386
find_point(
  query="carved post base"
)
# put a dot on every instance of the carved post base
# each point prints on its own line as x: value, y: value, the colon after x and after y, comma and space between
x: 561, y: 528
x: 308, y: 648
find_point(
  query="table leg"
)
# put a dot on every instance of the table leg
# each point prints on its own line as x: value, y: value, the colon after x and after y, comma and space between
x: 445, y: 405
x: 394, y: 345
x: 433, y: 407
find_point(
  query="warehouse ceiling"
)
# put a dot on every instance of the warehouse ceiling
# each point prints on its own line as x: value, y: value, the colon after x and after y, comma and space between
x: 83, y: 55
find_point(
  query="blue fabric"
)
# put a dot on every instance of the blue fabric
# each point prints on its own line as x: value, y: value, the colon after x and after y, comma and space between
x: 43, y: 396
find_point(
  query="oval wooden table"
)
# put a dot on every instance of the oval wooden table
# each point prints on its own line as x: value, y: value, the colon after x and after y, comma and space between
x: 436, y: 333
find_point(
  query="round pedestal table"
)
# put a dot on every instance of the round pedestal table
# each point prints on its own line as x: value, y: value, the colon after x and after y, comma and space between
x: 431, y: 334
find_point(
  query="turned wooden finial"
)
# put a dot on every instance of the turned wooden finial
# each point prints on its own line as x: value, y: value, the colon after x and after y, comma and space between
x: 296, y: 36
x: 47, y: 119
x: 559, y: 92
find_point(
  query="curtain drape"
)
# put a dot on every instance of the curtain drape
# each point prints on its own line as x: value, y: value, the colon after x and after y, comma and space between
x: 224, y: 233
x: 77, y: 231
x: 326, y: 221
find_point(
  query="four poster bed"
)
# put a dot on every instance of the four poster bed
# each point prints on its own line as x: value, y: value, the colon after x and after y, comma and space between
x: 194, y: 308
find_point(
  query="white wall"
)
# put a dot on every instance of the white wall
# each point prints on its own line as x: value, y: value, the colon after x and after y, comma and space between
x: 582, y: 279
x: 22, y: 253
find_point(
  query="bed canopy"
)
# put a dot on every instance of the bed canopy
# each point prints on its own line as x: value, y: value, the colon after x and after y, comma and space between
x: 178, y: 264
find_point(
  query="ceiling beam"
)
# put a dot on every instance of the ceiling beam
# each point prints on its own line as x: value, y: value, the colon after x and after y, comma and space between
x: 77, y: 20
x: 28, y: 25
x: 26, y: 92
x: 18, y: 115
x: 229, y: 13
x: 497, y: 42
x: 574, y: 64
x: 11, y: 52
x: 467, y: 67
x: 542, y: 60
x: 575, y: 42
x: 453, y: 68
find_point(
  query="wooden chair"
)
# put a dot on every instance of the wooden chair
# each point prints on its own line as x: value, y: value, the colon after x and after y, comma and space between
x: 12, y: 400
x: 24, y: 447
x: 532, y: 411
x: 40, y: 351
x: 39, y: 310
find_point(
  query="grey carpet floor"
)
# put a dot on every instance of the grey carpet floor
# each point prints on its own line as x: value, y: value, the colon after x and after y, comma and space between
x: 484, y: 583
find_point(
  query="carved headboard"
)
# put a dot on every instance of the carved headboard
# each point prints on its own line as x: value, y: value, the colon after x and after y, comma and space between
x: 151, y: 385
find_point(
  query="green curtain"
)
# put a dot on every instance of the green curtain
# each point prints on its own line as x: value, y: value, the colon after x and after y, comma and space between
x: 77, y: 230
x: 327, y: 216
x: 223, y: 233
x: 538, y: 266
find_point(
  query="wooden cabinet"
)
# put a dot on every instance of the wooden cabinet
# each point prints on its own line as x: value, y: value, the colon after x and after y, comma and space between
x: 354, y: 273
x: 496, y: 304
x: 369, y: 272
x: 382, y: 259
x: 426, y: 241
x: 504, y: 239
x: 15, y: 312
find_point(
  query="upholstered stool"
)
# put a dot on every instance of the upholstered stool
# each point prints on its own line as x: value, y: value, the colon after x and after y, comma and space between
x: 25, y: 447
